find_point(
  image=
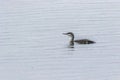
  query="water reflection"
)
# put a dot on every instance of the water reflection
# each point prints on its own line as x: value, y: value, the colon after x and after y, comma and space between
x: 71, y: 46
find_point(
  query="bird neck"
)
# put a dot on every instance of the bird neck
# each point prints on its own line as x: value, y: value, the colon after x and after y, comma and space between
x: 72, y: 40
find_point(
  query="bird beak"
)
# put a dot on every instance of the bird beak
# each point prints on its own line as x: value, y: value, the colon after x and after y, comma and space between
x: 64, y: 33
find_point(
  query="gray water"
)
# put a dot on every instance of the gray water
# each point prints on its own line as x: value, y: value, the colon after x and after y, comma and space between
x: 32, y: 46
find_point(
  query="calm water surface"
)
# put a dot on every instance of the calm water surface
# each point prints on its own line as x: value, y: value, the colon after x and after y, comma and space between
x: 32, y: 46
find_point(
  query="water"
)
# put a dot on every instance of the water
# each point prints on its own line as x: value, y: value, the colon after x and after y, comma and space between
x: 32, y: 46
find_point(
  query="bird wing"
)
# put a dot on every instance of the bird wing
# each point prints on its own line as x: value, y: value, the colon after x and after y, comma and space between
x: 84, y: 41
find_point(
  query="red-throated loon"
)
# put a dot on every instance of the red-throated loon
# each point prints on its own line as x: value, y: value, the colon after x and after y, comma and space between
x: 81, y: 41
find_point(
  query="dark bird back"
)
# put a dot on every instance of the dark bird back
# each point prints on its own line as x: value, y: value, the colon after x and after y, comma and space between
x: 84, y: 41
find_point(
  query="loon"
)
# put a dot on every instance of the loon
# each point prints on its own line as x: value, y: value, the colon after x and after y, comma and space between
x: 81, y: 41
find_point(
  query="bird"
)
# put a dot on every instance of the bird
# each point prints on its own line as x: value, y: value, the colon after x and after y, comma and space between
x: 81, y: 41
